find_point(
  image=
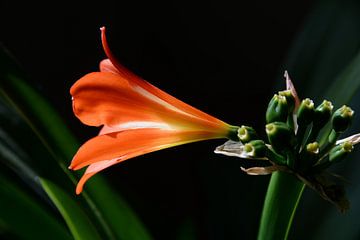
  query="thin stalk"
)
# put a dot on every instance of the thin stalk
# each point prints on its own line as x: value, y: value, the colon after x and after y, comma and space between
x: 282, y: 198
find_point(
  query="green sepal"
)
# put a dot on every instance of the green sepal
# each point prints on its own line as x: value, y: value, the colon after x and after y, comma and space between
x: 277, y: 110
x: 246, y: 134
x: 342, y: 118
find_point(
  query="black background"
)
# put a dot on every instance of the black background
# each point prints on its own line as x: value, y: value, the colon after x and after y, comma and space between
x: 219, y: 56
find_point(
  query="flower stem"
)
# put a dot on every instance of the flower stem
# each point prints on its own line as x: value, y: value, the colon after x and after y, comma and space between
x: 282, y: 198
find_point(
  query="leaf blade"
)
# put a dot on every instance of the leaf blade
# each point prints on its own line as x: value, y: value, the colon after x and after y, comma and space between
x: 79, y: 224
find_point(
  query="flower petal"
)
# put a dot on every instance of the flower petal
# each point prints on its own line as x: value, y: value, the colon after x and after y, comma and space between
x: 133, y: 78
x: 290, y: 86
x: 121, y: 146
x: 134, y: 142
x: 92, y: 170
x: 107, y: 66
x: 105, y: 98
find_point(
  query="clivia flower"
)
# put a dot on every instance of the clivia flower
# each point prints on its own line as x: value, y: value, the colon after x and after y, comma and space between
x: 136, y: 118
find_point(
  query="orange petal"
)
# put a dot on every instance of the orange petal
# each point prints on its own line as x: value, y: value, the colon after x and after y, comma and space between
x: 121, y: 146
x: 139, y: 141
x: 124, y: 72
x: 105, y: 98
x: 92, y: 170
x: 106, y: 66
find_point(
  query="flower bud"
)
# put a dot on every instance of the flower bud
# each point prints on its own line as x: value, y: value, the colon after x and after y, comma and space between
x: 233, y: 133
x: 305, y: 113
x: 322, y: 114
x: 290, y: 99
x: 342, y: 118
x: 340, y: 151
x: 280, y: 136
x: 246, y: 134
x: 277, y: 110
x: 256, y: 148
x: 310, y: 154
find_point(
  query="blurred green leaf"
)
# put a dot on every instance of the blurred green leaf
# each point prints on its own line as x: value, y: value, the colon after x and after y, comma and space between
x: 121, y: 218
x: 187, y: 230
x: 24, y: 217
x: 346, y: 84
x: 324, y: 46
x: 79, y: 224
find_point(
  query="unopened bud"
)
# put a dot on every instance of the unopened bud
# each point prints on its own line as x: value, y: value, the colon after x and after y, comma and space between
x: 305, y: 113
x: 340, y: 151
x: 277, y: 110
x: 309, y: 156
x: 256, y: 148
x: 322, y: 114
x: 290, y: 99
x: 312, y: 148
x: 342, y: 118
x: 246, y: 134
x: 280, y: 136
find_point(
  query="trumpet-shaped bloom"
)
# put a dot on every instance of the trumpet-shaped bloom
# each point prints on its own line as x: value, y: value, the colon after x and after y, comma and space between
x: 136, y: 118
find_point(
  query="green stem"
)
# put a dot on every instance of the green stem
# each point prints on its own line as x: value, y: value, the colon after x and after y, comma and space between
x: 282, y: 198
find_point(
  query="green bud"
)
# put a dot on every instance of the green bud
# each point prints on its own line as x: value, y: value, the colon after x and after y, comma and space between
x: 309, y: 155
x: 305, y: 113
x: 277, y: 110
x: 342, y: 118
x: 312, y: 148
x: 322, y: 114
x: 233, y: 133
x: 290, y: 99
x: 246, y: 134
x: 256, y: 148
x: 340, y: 151
x: 281, y: 136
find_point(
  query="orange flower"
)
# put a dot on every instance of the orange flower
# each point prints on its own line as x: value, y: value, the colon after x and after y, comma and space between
x: 137, y: 118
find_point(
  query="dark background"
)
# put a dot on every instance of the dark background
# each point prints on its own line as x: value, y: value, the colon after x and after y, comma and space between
x: 220, y: 57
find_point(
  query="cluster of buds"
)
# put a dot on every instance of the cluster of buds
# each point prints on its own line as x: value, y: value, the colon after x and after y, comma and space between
x: 298, y: 141
x: 293, y: 134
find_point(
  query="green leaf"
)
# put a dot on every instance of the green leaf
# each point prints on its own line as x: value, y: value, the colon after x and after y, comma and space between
x: 346, y: 84
x: 327, y: 42
x: 120, y: 216
x: 24, y: 217
x: 79, y: 224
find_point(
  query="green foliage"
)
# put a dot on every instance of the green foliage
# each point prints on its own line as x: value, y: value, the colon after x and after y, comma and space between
x: 24, y: 216
x: 79, y: 224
